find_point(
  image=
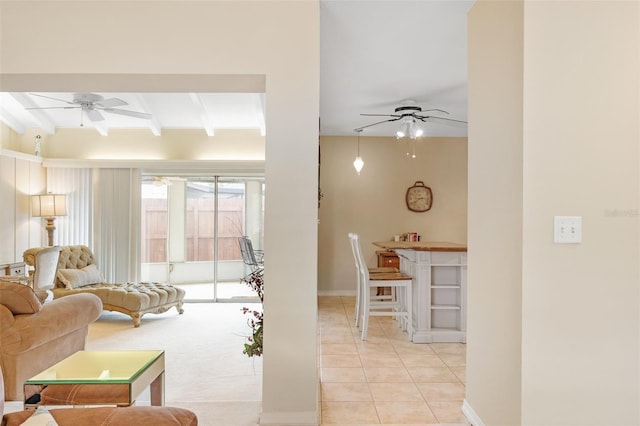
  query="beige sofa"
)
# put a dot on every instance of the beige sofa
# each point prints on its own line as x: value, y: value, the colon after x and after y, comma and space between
x: 35, y: 336
x: 78, y: 273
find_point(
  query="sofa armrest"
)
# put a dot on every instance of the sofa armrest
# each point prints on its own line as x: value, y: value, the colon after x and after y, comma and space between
x: 56, y: 318
x: 8, y: 333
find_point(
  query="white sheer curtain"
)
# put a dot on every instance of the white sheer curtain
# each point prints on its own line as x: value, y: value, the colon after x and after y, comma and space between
x: 117, y: 223
x: 77, y: 226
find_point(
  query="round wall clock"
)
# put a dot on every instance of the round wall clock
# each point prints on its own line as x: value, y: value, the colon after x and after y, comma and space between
x: 419, y: 197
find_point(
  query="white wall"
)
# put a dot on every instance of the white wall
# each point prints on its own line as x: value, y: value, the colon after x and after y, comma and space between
x: 580, y: 302
x: 20, y: 176
x: 495, y: 212
x: 540, y: 73
x: 192, y: 46
x: 140, y: 144
x: 373, y: 203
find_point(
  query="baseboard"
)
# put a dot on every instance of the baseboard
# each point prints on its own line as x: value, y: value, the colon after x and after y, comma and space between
x: 351, y: 293
x: 471, y: 414
x: 296, y: 418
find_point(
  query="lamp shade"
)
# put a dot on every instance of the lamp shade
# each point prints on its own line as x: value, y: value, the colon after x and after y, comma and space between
x: 48, y: 205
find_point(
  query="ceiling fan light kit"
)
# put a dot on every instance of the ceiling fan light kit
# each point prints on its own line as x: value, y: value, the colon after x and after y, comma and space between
x: 409, y: 128
x: 409, y: 115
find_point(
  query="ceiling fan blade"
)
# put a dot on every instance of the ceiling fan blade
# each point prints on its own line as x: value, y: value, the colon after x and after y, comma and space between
x: 69, y: 107
x: 445, y: 121
x: 55, y: 99
x: 381, y: 115
x: 359, y: 129
x: 94, y: 115
x: 110, y: 103
x: 435, y: 109
x: 136, y: 114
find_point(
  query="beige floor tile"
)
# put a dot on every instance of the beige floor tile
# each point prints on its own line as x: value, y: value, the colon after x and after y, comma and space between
x: 329, y: 300
x: 441, y: 391
x: 365, y: 347
x: 339, y: 349
x: 347, y: 392
x: 385, y: 392
x: 348, y: 300
x: 455, y: 360
x: 405, y: 346
x: 405, y: 412
x: 389, y: 360
x: 449, y: 348
x: 336, y: 375
x: 340, y: 361
x: 414, y: 359
x: 432, y: 375
x: 332, y: 325
x: 387, y: 374
x: 349, y: 413
x: 337, y: 337
x: 449, y: 412
x: 461, y: 373
x: 400, y: 375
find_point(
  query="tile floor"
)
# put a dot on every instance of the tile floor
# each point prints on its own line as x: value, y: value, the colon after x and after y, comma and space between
x: 385, y: 379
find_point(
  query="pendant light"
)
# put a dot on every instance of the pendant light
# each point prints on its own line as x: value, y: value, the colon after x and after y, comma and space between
x: 358, y: 163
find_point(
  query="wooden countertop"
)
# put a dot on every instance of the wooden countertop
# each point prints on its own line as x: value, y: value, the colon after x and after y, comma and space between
x: 421, y: 245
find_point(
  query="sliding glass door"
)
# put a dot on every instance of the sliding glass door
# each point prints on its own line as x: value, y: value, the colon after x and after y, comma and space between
x: 190, y: 228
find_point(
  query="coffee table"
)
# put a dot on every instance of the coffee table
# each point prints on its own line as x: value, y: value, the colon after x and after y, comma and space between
x: 100, y: 378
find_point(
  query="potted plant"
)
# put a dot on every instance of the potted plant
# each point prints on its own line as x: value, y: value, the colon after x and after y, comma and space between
x: 253, y: 347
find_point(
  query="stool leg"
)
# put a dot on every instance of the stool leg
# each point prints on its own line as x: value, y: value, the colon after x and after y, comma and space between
x: 366, y: 306
x: 409, y: 300
x: 358, y: 299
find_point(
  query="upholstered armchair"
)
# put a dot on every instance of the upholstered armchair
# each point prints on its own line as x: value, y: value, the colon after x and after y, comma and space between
x: 34, y: 336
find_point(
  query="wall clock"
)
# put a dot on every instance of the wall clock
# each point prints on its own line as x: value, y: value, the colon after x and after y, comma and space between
x: 419, y: 197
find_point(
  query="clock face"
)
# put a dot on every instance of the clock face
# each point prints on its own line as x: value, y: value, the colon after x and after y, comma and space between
x: 419, y: 197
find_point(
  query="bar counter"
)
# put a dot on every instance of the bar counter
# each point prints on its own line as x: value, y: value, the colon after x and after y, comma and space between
x: 439, y: 290
x: 421, y: 245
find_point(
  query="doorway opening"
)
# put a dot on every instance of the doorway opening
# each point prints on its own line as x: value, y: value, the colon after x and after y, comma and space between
x: 190, y: 227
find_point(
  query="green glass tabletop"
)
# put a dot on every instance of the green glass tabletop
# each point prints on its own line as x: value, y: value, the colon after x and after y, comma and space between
x: 97, y: 367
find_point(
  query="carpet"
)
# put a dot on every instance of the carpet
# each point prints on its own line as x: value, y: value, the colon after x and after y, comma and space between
x: 205, y: 369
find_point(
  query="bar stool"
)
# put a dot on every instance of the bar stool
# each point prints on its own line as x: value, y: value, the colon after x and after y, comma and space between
x: 399, y: 305
x: 375, y: 270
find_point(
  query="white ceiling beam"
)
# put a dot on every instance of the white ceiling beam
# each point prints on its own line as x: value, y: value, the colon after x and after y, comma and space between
x: 202, y: 112
x: 41, y: 118
x: 154, y: 123
x: 10, y: 121
x: 103, y: 129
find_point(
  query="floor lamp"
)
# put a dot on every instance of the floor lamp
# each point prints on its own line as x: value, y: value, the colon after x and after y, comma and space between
x: 49, y: 206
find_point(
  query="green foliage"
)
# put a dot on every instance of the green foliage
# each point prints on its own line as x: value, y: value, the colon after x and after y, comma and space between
x: 253, y: 347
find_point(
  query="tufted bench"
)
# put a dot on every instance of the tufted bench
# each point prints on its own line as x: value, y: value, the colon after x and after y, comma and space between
x: 78, y: 273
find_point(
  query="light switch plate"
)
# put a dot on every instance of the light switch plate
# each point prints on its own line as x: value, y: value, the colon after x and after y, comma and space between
x: 567, y: 229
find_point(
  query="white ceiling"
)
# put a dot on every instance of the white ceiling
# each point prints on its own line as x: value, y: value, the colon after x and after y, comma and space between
x: 374, y: 55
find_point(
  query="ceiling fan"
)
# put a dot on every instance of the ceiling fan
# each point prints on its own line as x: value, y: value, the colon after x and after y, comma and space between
x: 409, y: 114
x: 92, y: 104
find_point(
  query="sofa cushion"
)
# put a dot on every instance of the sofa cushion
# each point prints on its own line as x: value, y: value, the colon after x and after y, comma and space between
x: 74, y: 278
x: 19, y: 298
